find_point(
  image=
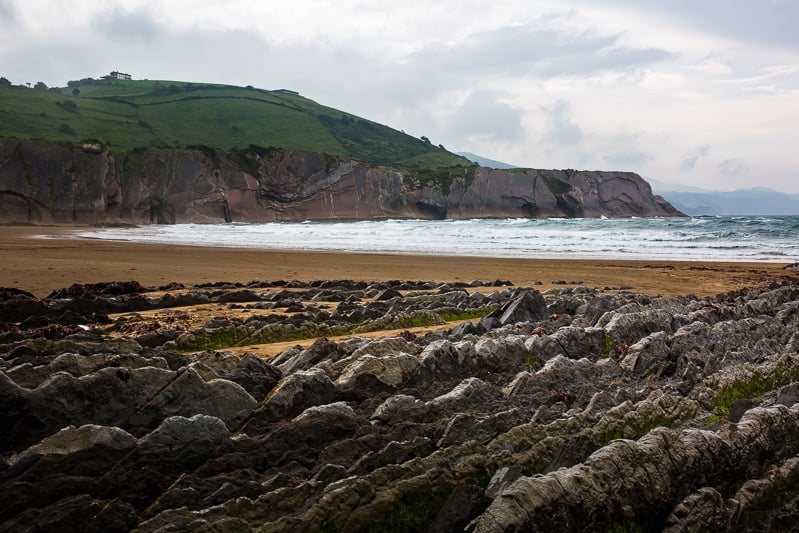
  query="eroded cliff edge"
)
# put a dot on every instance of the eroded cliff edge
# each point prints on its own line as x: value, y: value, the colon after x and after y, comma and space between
x: 49, y: 182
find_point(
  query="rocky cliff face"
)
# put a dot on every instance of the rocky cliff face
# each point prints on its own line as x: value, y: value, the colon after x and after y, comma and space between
x: 44, y: 182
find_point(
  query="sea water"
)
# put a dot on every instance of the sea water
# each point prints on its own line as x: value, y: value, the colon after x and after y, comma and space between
x: 731, y: 238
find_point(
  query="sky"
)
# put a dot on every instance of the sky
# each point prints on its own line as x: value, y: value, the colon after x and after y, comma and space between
x: 690, y: 93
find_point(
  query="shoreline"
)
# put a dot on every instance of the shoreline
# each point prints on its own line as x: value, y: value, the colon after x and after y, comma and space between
x: 506, y: 240
x: 338, y: 396
x: 41, y: 265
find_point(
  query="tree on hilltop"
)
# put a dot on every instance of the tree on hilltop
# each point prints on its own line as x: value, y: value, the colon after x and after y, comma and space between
x: 4, y: 81
x: 40, y: 85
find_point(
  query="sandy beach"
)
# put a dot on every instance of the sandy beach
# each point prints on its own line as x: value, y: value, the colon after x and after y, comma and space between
x: 40, y: 259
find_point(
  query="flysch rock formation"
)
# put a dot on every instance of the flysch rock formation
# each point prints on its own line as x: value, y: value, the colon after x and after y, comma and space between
x: 572, y: 410
x: 48, y: 182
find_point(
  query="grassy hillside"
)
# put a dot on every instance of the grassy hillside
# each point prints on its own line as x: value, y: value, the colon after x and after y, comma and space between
x: 128, y: 114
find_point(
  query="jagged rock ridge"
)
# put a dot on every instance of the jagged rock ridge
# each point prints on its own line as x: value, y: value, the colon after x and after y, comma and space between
x: 45, y: 182
x: 567, y: 410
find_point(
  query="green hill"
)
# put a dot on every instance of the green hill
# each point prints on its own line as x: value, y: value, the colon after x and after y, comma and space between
x: 128, y: 114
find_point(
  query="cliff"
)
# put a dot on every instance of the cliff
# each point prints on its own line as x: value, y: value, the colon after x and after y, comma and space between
x: 49, y: 182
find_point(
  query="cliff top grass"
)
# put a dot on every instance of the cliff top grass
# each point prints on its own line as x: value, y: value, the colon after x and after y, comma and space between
x: 126, y: 114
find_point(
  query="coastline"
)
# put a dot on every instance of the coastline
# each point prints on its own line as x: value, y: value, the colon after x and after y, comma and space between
x: 425, y: 386
x: 41, y: 265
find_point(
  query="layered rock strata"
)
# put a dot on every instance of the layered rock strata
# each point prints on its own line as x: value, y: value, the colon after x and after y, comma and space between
x: 47, y: 182
x: 575, y: 409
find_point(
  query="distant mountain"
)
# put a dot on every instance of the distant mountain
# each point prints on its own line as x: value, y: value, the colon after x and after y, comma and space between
x: 660, y: 186
x: 128, y: 114
x: 486, y: 162
x: 754, y: 201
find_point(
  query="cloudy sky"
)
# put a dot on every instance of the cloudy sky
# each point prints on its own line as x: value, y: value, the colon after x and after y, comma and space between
x: 702, y: 93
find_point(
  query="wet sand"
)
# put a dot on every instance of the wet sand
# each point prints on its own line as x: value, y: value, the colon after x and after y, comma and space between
x: 40, y: 259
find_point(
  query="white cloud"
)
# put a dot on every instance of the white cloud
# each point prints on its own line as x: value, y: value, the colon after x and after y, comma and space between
x: 627, y: 160
x: 733, y: 167
x: 483, y: 116
x: 771, y: 23
x: 562, y: 128
x: 131, y: 27
x: 767, y: 73
x: 712, y: 67
x: 690, y: 159
x: 7, y: 13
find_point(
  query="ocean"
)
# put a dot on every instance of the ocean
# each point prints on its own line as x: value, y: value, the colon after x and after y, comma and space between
x: 730, y: 238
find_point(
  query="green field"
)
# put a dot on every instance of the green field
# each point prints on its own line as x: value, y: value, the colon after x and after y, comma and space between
x: 142, y: 113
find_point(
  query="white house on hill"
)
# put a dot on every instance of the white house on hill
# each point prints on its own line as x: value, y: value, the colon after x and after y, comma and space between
x: 117, y: 76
